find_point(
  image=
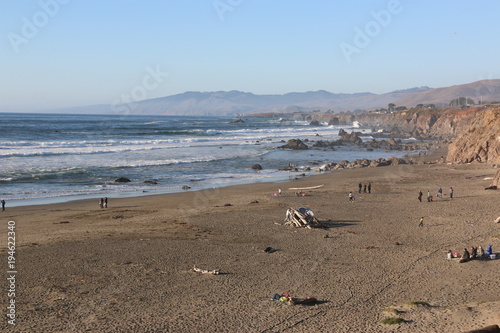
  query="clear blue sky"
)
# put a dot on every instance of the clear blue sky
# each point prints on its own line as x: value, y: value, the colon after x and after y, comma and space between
x: 84, y: 52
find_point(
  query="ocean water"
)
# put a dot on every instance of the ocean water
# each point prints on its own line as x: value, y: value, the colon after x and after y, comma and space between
x: 49, y: 158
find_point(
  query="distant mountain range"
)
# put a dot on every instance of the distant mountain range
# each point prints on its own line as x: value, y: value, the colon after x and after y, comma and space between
x: 240, y: 103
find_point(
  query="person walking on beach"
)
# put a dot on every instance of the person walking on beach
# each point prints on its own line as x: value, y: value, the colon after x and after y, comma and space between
x: 279, y: 191
x: 351, y: 197
x: 451, y: 192
x: 421, y: 224
x: 3, y: 205
x: 429, y: 198
x: 440, y: 193
x: 360, y: 186
x: 369, y: 187
x: 420, y: 194
x: 364, y: 188
x: 106, y: 202
x: 101, y: 201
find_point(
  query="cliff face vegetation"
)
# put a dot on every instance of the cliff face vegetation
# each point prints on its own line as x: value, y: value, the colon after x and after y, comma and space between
x: 480, y: 142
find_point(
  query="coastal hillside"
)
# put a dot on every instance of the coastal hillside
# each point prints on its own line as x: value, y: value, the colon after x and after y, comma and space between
x: 484, y: 91
x: 239, y: 103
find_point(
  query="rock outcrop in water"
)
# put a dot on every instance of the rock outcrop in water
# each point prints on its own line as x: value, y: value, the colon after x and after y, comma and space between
x: 295, y: 144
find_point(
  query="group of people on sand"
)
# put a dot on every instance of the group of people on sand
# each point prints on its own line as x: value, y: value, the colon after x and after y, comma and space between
x: 430, y: 197
x: 365, y: 188
x: 475, y: 253
x: 361, y: 188
x: 103, y: 202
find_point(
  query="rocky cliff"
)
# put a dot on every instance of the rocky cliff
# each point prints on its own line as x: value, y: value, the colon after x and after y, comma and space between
x: 475, y: 132
x: 480, y: 142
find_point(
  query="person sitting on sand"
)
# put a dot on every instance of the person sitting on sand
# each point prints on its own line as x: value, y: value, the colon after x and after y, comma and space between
x: 449, y: 255
x: 473, y: 252
x: 465, y: 257
x: 480, y: 252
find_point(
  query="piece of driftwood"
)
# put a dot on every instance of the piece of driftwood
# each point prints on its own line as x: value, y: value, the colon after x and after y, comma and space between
x: 306, y: 188
x: 298, y: 220
x: 206, y: 271
x: 487, y: 329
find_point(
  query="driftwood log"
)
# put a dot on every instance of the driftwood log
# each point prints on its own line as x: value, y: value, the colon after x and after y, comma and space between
x: 206, y: 271
x: 298, y: 220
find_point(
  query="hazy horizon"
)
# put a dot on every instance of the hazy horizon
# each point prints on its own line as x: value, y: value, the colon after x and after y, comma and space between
x: 62, y: 54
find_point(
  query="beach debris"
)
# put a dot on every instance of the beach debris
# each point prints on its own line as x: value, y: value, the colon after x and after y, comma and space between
x: 186, y: 187
x: 254, y: 202
x: 301, y: 218
x: 227, y: 205
x: 206, y: 271
x: 287, y: 299
x: 307, y: 188
x: 122, y: 180
x: 497, y: 220
x: 62, y: 222
x: 269, y: 250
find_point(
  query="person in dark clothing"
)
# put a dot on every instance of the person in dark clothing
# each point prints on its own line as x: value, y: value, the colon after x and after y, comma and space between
x: 473, y: 252
x: 364, y: 188
x: 360, y: 186
x: 3, y: 205
x: 420, y: 194
x: 465, y: 257
x: 369, y: 187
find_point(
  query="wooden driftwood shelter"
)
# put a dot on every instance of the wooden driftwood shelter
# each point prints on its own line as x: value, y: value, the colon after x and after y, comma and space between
x: 304, y: 219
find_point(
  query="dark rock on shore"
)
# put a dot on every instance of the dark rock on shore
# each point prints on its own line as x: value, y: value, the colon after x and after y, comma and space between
x: 295, y: 144
x: 315, y: 123
x: 396, y: 161
x: 122, y: 180
x: 333, y: 121
x: 257, y: 167
x: 351, y: 138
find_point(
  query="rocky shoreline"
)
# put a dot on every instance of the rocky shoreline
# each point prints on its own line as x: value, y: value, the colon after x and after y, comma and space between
x: 472, y: 133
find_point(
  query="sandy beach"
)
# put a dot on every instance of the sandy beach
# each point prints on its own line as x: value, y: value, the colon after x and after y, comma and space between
x: 129, y: 268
